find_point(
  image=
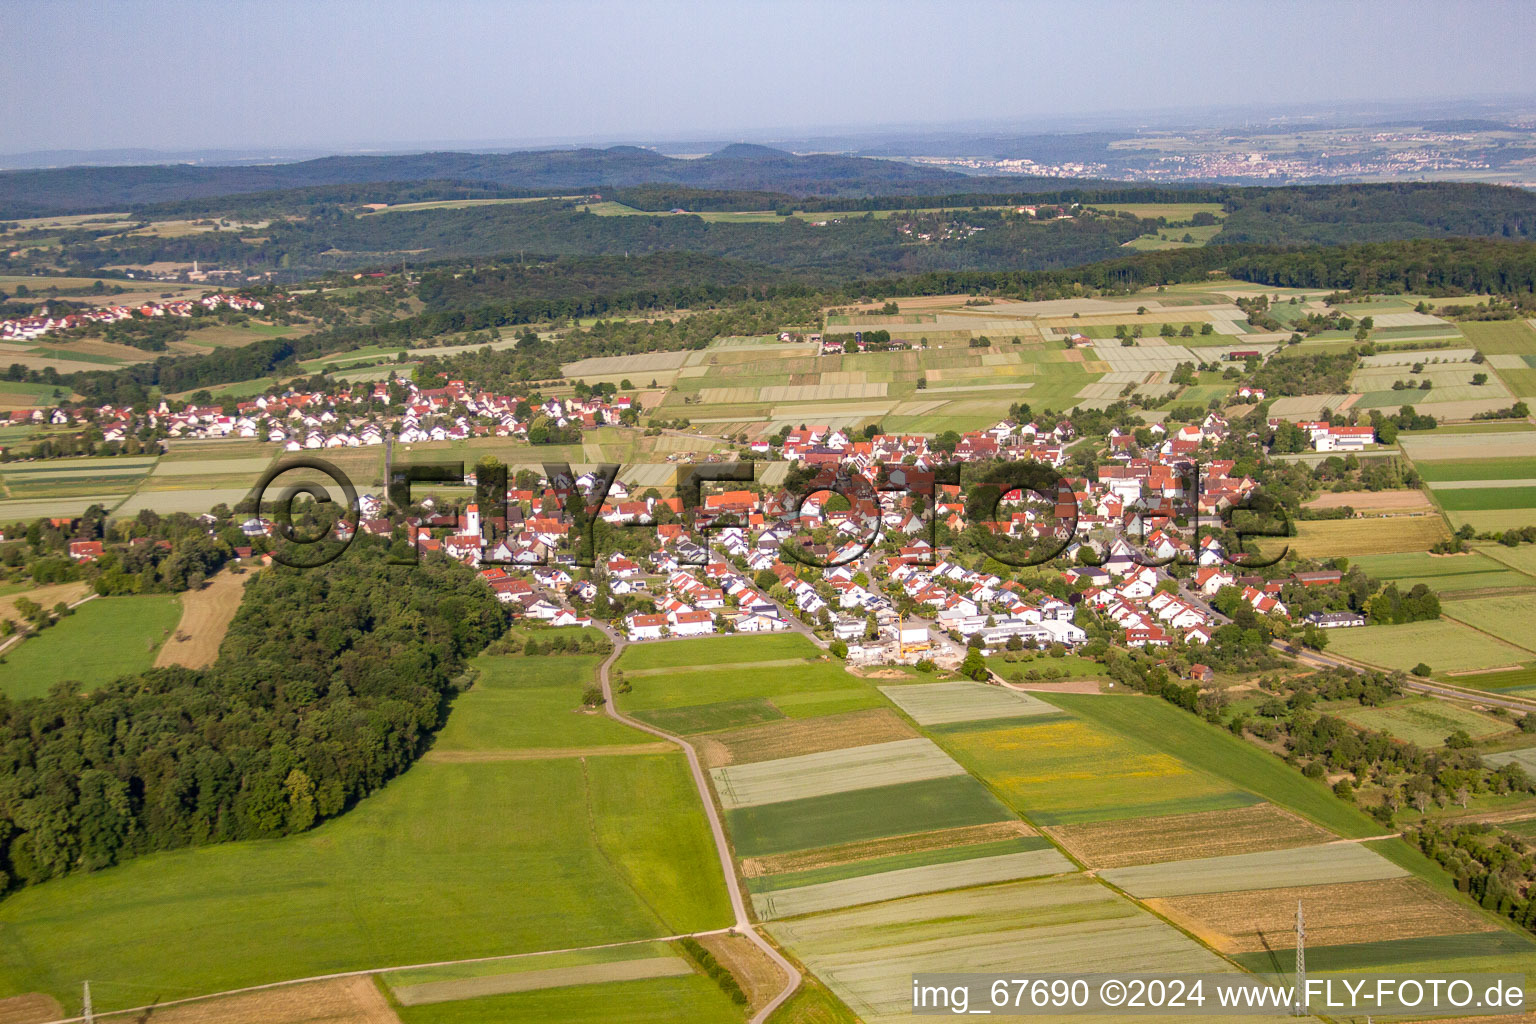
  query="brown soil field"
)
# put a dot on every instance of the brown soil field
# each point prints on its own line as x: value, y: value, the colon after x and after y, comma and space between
x: 802, y: 736
x: 340, y: 1001
x: 205, y: 618
x: 805, y: 860
x: 1115, y: 844
x: 1069, y: 686
x: 47, y: 596
x: 758, y: 976
x: 30, y: 1009
x: 1390, y: 908
x: 1374, y: 501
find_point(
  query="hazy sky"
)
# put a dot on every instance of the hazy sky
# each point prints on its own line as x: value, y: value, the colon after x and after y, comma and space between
x: 338, y: 75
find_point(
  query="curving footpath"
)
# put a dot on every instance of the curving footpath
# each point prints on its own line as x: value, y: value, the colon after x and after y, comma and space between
x: 744, y: 923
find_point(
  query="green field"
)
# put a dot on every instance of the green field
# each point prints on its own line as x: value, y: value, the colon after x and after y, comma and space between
x: 1442, y: 644
x: 1508, y: 617
x: 1425, y: 721
x: 450, y: 861
x: 862, y: 814
x: 867, y: 955
x: 440, y: 865
x: 1482, y: 499
x: 651, y: 1001
x: 896, y: 862
x: 1508, y: 468
x: 1442, y: 573
x: 1216, y: 751
x: 105, y: 638
x: 712, y: 694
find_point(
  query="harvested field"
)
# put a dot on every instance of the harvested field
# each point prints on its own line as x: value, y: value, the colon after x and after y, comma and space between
x: 205, y: 618
x: 832, y: 771
x: 1329, y: 538
x: 553, y: 977
x: 799, y: 736
x: 1273, y: 869
x: 341, y: 1001
x: 850, y: 853
x: 1341, y: 914
x: 30, y: 1009
x: 890, y: 885
x: 1184, y: 836
x: 943, y: 703
x: 1374, y: 501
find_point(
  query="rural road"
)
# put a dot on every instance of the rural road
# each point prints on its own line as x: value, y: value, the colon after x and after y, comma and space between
x: 738, y: 905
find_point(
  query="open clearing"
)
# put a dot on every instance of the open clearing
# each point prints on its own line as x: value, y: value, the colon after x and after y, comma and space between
x: 944, y: 703
x: 889, y: 885
x: 1186, y: 836
x: 205, y: 618
x: 800, y: 736
x: 102, y: 640
x: 1443, y: 644
x: 832, y: 771
x: 1270, y: 869
x: 1337, y: 914
x: 867, y: 955
x: 1427, y: 721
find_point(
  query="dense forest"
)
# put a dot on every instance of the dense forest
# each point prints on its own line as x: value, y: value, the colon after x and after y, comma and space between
x: 329, y: 683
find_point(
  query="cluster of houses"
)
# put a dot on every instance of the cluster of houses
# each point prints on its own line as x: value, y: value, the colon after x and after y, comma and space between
x: 27, y: 328
x: 1325, y: 437
x: 351, y: 416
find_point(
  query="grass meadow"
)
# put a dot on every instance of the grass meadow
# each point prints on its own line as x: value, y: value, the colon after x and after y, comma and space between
x: 103, y: 639
x: 1443, y: 644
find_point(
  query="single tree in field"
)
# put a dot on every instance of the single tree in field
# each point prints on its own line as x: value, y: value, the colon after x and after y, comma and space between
x: 1421, y: 800
x: 1462, y: 796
